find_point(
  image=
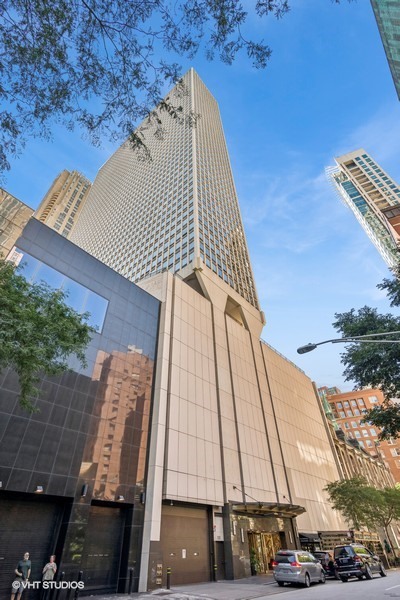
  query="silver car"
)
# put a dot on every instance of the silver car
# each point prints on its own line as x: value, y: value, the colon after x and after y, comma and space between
x: 297, y: 566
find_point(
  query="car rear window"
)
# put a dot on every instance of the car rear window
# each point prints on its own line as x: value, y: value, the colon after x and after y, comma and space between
x: 285, y: 558
x: 360, y: 550
x: 343, y: 551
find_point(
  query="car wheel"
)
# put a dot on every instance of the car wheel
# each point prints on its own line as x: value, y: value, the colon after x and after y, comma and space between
x: 368, y: 572
x: 382, y: 571
x: 323, y: 577
x: 359, y: 577
x: 343, y: 578
x: 307, y: 581
x: 336, y: 574
x: 281, y: 583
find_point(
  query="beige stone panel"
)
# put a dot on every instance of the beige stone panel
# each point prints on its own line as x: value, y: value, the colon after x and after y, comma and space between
x: 174, y: 411
x: 183, y: 383
x: 226, y: 403
x: 202, y: 489
x: 192, y: 455
x: 182, y: 421
x: 224, y: 379
x: 183, y: 453
x: 200, y: 428
x: 174, y: 382
x: 201, y: 457
x: 182, y: 485
x: 305, y: 445
x: 173, y: 450
x: 192, y: 488
x: 192, y: 430
x: 229, y: 434
x: 171, y: 485
x: 232, y: 470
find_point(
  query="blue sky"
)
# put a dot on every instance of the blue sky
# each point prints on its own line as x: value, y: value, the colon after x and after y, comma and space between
x: 327, y: 91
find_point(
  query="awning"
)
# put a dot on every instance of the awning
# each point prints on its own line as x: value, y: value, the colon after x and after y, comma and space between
x: 269, y: 509
x: 309, y: 538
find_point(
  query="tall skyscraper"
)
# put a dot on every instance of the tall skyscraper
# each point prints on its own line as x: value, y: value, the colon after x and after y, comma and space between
x: 64, y: 201
x: 145, y: 217
x: 387, y: 14
x: 373, y: 197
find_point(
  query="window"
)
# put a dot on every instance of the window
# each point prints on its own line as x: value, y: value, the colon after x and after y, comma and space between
x: 354, y: 424
x: 365, y: 433
x: 347, y: 425
x: 372, y: 431
x: 346, y: 404
x: 357, y: 434
x: 79, y: 297
x: 373, y: 399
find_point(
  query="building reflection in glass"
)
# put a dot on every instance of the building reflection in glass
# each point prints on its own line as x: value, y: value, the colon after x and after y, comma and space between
x: 115, y: 454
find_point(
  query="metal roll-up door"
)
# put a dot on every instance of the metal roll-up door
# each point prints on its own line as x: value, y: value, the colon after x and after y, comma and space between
x: 26, y: 526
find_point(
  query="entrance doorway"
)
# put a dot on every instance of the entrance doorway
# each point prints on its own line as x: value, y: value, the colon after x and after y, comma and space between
x: 263, y: 547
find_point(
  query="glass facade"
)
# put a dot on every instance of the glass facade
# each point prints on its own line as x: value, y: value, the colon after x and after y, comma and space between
x: 91, y: 429
x: 387, y: 14
x: 145, y: 217
x: 78, y: 296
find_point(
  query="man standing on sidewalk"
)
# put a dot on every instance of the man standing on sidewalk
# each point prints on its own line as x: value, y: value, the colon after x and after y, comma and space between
x: 22, y: 573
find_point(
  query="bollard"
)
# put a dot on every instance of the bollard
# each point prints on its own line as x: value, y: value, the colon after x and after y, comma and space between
x: 169, y: 578
x: 80, y: 576
x: 130, y: 580
x: 62, y: 575
x: 215, y: 572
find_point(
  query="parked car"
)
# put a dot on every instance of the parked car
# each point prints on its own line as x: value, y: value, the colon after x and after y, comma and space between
x: 297, y: 566
x: 354, y: 560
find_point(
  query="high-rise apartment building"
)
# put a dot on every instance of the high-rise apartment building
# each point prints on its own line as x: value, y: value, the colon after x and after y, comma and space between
x: 372, y: 196
x: 145, y: 217
x: 238, y: 439
x: 64, y: 201
x: 238, y: 453
x: 387, y: 14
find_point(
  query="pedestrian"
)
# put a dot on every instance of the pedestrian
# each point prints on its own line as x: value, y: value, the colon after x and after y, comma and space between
x: 22, y: 572
x: 49, y: 570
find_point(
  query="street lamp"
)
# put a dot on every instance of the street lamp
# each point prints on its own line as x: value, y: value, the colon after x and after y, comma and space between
x: 354, y: 338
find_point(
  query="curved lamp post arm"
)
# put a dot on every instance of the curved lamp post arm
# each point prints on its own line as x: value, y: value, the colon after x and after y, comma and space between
x: 355, y: 338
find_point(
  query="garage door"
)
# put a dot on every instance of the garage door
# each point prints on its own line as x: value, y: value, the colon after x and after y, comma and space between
x: 185, y: 543
x: 26, y: 526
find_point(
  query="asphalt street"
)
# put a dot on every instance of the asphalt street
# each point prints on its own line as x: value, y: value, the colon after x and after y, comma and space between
x: 260, y: 588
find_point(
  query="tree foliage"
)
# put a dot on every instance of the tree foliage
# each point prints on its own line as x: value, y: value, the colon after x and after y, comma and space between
x: 375, y: 365
x: 363, y: 505
x: 38, y: 331
x: 102, y: 64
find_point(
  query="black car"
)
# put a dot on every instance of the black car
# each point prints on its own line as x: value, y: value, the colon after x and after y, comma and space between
x: 354, y: 560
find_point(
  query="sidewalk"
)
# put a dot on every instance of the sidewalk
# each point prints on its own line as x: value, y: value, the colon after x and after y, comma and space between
x: 238, y: 589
